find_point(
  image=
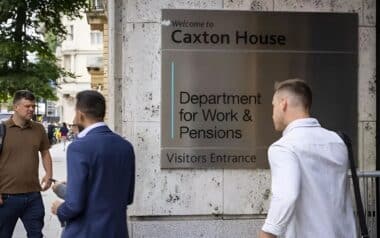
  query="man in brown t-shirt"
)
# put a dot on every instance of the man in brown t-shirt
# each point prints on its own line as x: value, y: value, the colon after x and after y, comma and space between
x: 19, y: 161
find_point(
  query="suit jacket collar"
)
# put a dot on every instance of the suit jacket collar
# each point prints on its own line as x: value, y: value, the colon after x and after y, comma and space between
x: 99, y: 129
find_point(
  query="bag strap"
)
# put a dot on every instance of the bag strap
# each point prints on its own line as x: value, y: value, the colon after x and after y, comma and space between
x: 2, y: 135
x: 355, y: 182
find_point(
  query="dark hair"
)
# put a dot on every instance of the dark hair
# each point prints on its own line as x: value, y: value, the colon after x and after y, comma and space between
x: 299, y: 88
x: 23, y: 94
x: 92, y: 104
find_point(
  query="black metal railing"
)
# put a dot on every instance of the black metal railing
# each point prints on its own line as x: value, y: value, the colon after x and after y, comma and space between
x: 369, y: 189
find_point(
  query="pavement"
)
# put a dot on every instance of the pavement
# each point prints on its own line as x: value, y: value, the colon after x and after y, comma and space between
x: 52, y: 228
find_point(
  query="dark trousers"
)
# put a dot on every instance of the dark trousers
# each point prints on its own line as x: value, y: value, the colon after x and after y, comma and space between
x: 28, y: 207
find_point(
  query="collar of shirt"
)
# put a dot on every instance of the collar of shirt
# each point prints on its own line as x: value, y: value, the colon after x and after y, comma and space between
x: 89, y: 128
x: 304, y: 122
x: 10, y: 123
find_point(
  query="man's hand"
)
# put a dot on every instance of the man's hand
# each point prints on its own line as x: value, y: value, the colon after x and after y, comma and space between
x: 48, y: 167
x: 1, y: 199
x: 55, y: 206
x: 264, y: 234
x: 46, y: 182
x: 56, y: 185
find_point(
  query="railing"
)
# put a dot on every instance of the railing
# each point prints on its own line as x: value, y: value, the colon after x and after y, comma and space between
x: 369, y: 188
x: 96, y: 5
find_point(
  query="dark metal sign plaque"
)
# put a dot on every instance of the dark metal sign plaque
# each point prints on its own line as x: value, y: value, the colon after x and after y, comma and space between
x: 218, y: 74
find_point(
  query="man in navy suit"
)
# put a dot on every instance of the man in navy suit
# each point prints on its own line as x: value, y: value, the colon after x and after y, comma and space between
x: 100, y: 176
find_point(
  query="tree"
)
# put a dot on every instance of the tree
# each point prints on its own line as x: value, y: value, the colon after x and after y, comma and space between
x: 26, y: 60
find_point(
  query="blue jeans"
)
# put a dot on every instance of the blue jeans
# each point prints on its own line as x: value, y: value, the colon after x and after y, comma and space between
x: 28, y: 207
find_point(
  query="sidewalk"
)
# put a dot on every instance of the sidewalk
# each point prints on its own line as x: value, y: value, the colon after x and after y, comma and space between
x: 52, y: 228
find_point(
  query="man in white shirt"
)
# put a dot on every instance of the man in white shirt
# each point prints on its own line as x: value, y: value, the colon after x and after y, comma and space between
x: 309, y: 165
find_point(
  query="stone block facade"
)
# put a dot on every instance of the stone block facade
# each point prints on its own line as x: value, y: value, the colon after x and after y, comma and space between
x: 200, y: 203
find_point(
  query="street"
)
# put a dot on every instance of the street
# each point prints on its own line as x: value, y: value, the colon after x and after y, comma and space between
x: 52, y: 227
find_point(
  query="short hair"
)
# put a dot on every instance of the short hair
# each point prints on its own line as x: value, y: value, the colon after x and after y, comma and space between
x: 23, y: 94
x: 299, y: 88
x: 92, y: 104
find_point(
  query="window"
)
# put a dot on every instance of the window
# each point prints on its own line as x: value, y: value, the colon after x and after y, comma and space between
x: 96, y: 38
x: 70, y: 33
x: 67, y: 62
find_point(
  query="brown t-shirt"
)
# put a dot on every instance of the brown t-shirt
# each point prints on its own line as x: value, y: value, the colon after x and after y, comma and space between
x: 19, y: 159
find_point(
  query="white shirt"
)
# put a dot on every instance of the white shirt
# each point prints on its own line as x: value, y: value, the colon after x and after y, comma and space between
x: 89, y: 128
x: 310, y: 189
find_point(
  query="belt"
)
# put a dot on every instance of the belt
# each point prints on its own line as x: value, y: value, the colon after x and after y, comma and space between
x: 16, y: 194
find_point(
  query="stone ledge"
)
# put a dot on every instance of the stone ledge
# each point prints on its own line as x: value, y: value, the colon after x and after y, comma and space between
x: 196, y: 228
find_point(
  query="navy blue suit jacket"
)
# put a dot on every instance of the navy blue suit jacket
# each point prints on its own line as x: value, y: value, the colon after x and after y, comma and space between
x: 100, y: 185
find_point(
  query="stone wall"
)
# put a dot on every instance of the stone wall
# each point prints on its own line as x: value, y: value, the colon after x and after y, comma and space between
x: 205, y: 203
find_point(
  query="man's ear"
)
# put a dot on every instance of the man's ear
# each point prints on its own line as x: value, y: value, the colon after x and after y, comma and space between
x: 284, y: 104
x: 81, y: 116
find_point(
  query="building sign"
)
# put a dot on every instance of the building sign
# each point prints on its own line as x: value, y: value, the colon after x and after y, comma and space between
x: 218, y: 75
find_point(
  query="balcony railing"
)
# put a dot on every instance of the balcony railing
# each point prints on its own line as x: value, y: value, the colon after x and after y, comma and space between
x: 95, y: 62
x: 97, y: 14
x: 97, y: 6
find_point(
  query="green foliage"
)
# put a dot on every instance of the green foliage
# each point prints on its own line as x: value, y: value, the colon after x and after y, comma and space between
x: 27, y: 60
x: 52, y: 41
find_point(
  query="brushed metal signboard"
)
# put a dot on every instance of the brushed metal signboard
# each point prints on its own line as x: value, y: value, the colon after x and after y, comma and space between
x: 218, y: 74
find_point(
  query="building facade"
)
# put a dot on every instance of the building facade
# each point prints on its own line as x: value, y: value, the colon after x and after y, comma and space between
x: 97, y: 19
x: 205, y: 203
x: 80, y: 51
